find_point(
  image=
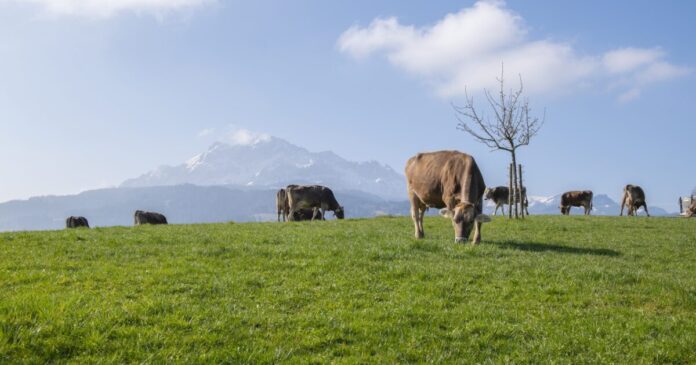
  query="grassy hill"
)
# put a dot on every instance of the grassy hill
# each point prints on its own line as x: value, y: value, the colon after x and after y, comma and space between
x: 550, y: 289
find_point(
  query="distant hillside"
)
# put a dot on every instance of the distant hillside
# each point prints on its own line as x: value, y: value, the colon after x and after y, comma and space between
x: 270, y: 162
x: 181, y: 204
x: 208, y: 204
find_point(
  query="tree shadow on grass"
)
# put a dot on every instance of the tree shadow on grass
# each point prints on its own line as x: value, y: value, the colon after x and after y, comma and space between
x: 545, y: 247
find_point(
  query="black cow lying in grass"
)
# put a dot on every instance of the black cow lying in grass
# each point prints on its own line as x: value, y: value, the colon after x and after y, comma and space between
x: 149, y: 218
x: 75, y: 222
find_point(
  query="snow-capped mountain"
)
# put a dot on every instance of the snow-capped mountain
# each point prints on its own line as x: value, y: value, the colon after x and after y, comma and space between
x: 270, y: 162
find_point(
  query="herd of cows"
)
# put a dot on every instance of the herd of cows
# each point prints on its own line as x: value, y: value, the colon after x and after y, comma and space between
x: 452, y: 182
x: 447, y: 180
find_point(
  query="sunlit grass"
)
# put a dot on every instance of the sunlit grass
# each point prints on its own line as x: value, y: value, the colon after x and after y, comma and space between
x: 545, y: 290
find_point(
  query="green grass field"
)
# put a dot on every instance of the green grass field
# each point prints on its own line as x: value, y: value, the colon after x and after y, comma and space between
x: 567, y: 290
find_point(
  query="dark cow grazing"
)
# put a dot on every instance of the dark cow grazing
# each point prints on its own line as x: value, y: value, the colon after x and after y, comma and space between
x: 633, y: 198
x: 307, y: 215
x: 576, y: 199
x: 75, y: 222
x: 691, y: 211
x: 449, y: 180
x: 149, y: 218
x: 501, y: 197
x: 312, y: 196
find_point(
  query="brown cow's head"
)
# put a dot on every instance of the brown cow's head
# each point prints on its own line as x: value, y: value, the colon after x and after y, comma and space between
x: 463, y: 219
x: 339, y: 212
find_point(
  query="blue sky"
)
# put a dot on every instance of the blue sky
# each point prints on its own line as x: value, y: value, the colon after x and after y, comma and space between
x: 91, y: 95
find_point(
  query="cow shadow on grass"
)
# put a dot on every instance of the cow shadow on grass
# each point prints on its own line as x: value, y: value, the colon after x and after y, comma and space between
x: 546, y: 247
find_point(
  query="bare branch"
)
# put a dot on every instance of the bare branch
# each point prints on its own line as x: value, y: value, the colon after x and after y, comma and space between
x: 511, y: 126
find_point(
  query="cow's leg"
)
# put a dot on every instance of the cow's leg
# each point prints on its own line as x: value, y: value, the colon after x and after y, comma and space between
x: 495, y: 211
x: 421, y: 215
x: 416, y: 214
x: 324, y: 208
x: 292, y: 207
x: 645, y: 206
x: 477, y: 233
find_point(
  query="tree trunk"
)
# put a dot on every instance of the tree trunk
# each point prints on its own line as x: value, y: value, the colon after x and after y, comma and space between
x: 510, y: 196
x: 520, y: 189
x: 515, y: 193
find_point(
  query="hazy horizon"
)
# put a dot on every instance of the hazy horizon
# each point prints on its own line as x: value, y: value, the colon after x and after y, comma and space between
x: 97, y: 93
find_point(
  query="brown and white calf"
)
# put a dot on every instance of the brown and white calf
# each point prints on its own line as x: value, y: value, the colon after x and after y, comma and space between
x: 576, y: 199
x: 691, y: 210
x: 633, y: 198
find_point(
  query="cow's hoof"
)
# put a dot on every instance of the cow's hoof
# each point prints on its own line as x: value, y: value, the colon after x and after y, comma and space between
x: 459, y: 240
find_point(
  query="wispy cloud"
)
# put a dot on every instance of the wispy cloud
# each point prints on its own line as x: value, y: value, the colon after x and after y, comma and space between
x: 245, y: 137
x: 108, y: 8
x: 206, y: 132
x: 466, y: 49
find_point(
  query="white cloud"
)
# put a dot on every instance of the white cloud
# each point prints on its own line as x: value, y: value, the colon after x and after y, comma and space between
x: 108, y: 8
x: 629, y: 59
x: 205, y: 132
x: 245, y: 137
x: 660, y: 71
x: 466, y: 50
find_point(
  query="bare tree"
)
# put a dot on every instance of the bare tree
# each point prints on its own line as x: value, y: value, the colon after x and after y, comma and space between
x: 511, y: 127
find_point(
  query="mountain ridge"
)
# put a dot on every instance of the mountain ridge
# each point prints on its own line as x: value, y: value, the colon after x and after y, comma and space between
x: 273, y: 162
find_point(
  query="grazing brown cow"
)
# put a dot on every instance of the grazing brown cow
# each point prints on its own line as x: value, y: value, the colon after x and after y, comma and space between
x: 691, y: 211
x: 148, y: 218
x: 576, y: 199
x: 633, y: 198
x: 307, y: 215
x: 312, y: 196
x: 450, y: 180
x: 75, y: 222
x: 501, y: 197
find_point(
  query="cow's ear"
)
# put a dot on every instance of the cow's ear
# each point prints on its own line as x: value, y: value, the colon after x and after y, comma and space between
x: 482, y: 218
x: 446, y: 213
